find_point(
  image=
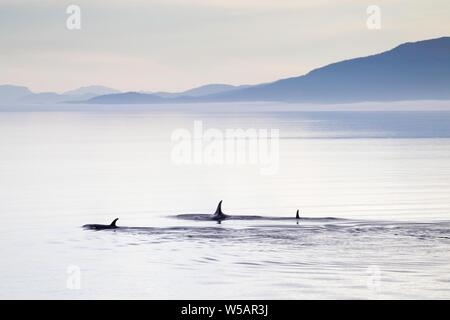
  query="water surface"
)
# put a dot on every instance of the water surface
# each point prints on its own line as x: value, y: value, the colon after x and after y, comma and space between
x: 383, y: 176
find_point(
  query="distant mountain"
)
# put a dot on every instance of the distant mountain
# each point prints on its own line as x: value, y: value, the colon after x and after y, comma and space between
x: 211, y: 89
x: 411, y: 71
x: 127, y: 97
x: 43, y: 97
x: 89, y: 92
x: 201, y: 91
x: 19, y: 94
x: 165, y: 97
x: 11, y: 93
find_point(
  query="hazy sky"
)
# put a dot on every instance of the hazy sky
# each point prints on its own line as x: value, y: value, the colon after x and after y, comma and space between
x: 177, y: 44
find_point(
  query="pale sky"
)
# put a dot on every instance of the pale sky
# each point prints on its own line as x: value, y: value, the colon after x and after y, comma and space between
x: 174, y: 45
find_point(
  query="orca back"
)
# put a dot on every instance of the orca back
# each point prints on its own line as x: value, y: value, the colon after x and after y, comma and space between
x: 219, y: 215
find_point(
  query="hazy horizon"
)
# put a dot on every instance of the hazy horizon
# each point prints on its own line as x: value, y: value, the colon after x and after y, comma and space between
x: 174, y: 45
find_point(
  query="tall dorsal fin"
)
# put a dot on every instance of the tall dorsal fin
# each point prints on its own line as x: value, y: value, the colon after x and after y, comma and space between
x: 297, y: 216
x: 113, y: 224
x: 219, y: 209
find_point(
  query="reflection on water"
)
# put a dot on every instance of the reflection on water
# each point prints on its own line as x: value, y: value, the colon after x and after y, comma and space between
x: 292, y: 233
x: 372, y: 189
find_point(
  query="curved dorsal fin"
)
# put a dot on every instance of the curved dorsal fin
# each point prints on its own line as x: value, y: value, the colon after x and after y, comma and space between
x: 113, y: 224
x: 219, y: 209
x: 297, y: 216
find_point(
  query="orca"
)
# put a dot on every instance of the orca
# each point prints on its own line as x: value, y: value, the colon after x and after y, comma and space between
x: 216, y: 216
x: 102, y: 226
x: 219, y: 215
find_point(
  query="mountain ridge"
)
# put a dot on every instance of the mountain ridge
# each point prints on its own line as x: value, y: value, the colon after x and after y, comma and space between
x: 410, y: 71
x: 417, y: 70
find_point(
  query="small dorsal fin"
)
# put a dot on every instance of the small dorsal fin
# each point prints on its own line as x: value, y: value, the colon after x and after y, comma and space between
x: 297, y: 216
x: 219, y: 209
x: 113, y: 224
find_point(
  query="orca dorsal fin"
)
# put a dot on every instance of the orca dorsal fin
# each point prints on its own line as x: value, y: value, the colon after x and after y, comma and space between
x: 219, y: 209
x: 113, y: 224
x: 297, y: 216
